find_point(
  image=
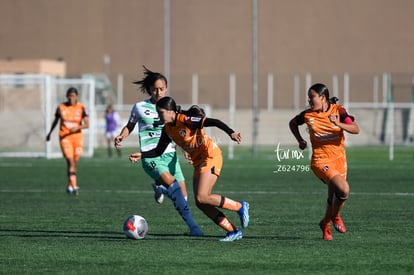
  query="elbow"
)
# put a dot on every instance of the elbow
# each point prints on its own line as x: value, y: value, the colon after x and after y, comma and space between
x: 355, y: 131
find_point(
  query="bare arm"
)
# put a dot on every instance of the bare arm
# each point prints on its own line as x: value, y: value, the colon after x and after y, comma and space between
x: 348, y: 125
x: 125, y: 132
x: 84, y: 125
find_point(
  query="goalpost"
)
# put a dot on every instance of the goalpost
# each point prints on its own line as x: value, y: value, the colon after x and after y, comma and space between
x: 27, y: 107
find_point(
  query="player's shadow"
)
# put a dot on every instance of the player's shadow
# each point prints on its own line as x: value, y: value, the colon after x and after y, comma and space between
x: 119, y: 235
x: 247, y: 237
x: 25, y: 233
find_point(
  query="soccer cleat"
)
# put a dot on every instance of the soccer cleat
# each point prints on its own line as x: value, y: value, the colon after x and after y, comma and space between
x: 244, y: 214
x: 338, y: 224
x: 326, y: 230
x: 72, y: 190
x: 69, y: 189
x: 232, y: 236
x: 158, y: 196
x: 196, y: 232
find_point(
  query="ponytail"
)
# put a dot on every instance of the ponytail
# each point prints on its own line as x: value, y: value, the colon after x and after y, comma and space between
x: 195, y: 111
x: 333, y: 100
x: 178, y: 109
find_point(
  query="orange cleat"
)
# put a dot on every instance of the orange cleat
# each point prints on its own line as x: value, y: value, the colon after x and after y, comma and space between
x: 326, y: 230
x: 339, y: 224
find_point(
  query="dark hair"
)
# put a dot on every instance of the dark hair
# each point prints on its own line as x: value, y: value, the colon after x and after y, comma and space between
x: 149, y: 80
x: 321, y: 89
x: 168, y: 103
x: 109, y: 107
x: 195, y: 111
x: 71, y: 90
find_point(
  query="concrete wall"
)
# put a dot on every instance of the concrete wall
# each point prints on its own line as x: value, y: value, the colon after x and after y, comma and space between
x: 213, y: 38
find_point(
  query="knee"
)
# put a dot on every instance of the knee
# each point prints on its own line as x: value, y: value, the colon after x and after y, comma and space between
x: 342, y: 195
x: 201, y: 199
x: 341, y: 187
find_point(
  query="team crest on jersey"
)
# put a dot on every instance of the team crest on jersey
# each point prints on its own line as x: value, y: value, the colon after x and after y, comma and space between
x: 183, y: 132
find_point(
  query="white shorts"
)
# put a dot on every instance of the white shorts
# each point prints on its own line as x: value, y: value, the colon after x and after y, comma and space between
x: 112, y: 134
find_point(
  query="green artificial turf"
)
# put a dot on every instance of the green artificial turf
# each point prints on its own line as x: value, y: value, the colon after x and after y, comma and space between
x: 44, y: 230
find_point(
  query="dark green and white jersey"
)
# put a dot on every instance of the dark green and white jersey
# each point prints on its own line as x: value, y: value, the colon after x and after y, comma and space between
x: 149, y: 127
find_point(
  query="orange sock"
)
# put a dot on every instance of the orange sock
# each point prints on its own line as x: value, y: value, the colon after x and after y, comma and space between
x: 230, y: 204
x: 227, y: 225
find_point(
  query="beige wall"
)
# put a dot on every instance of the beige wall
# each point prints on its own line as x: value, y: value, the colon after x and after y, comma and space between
x: 213, y: 38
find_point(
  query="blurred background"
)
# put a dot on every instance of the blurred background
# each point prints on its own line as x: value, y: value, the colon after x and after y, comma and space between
x: 248, y: 62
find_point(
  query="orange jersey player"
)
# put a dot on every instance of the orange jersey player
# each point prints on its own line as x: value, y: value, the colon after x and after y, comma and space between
x: 185, y: 128
x: 188, y: 133
x: 327, y: 122
x: 73, y: 118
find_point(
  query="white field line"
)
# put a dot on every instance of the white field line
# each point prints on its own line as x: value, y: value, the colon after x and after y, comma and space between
x: 399, y: 194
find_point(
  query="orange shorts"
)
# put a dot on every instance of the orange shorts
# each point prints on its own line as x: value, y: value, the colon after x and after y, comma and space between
x: 72, y: 146
x: 327, y: 169
x: 213, y: 163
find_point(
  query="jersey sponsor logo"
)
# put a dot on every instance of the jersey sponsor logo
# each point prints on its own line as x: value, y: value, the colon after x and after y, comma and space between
x: 154, y: 134
x: 195, y: 119
x: 150, y: 113
x: 326, y: 137
x: 70, y: 124
x: 157, y: 123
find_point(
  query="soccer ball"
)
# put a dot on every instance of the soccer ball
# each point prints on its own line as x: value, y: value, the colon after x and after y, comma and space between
x: 135, y: 227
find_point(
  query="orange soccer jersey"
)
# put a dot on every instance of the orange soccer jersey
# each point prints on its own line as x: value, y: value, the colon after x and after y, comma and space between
x: 327, y: 139
x: 328, y: 150
x: 187, y: 133
x: 71, y: 116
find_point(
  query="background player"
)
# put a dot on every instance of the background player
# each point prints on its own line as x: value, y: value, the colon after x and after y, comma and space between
x: 112, y: 121
x: 73, y: 118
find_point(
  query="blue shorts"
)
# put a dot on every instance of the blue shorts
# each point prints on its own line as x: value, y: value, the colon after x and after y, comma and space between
x: 168, y: 162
